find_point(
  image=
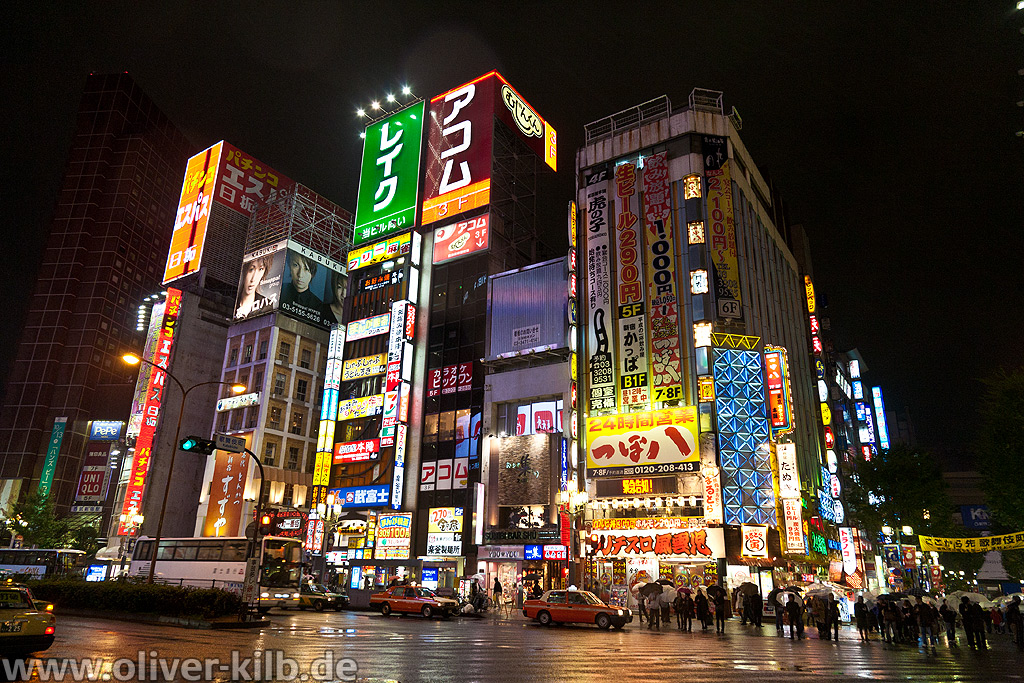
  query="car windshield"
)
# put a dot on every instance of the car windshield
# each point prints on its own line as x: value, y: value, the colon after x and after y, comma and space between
x: 12, y: 599
x: 591, y: 598
x: 425, y: 593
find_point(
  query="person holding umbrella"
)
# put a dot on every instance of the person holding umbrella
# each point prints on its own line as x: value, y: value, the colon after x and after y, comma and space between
x: 795, y: 612
x: 720, y: 612
x: 860, y: 614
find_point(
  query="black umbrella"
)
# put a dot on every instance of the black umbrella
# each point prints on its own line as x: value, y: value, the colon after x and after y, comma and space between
x: 917, y: 591
x: 712, y: 591
x: 773, y: 596
x: 793, y: 589
x: 651, y: 589
x: 665, y: 582
x: 532, y: 577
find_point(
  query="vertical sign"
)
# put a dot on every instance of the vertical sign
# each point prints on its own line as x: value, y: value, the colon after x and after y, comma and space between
x: 722, y: 242
x: 881, y: 427
x: 666, y: 359
x: 600, y: 359
x: 52, y: 451
x: 793, y: 516
x: 633, y: 389
x: 780, y: 403
x: 226, y: 494
x: 193, y: 214
x: 151, y: 412
x: 789, y: 477
x: 389, y: 178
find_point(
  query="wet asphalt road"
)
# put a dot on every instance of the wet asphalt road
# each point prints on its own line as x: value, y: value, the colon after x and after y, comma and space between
x: 413, y: 649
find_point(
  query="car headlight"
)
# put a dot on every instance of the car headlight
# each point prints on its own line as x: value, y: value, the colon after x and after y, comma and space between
x: 264, y: 595
x: 295, y: 595
x: 620, y: 613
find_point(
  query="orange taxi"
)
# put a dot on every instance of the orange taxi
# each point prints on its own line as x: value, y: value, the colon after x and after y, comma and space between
x: 576, y: 607
x: 412, y: 600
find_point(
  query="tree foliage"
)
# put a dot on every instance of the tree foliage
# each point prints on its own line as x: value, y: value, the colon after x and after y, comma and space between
x: 901, y: 486
x: 35, y: 518
x: 1001, y: 451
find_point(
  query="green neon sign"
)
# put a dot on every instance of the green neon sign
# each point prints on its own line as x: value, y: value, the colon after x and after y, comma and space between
x: 52, y: 451
x: 389, y: 177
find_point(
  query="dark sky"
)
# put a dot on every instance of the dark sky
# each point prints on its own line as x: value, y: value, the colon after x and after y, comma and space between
x: 888, y: 128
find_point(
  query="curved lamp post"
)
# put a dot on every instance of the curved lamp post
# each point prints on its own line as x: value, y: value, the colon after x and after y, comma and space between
x: 133, y: 359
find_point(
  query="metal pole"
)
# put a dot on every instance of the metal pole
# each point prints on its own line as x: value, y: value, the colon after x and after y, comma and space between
x: 259, y: 506
x: 170, y: 471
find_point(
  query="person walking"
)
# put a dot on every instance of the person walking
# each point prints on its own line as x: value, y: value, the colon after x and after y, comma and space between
x: 703, y: 610
x: 890, y: 617
x: 779, y: 611
x: 688, y: 612
x: 756, y: 608
x: 997, y: 619
x: 818, y: 610
x: 740, y: 605
x: 665, y: 602
x: 1015, y: 621
x: 496, y: 591
x: 677, y: 607
x: 927, y: 619
x: 795, y: 612
x: 653, y: 612
x: 977, y: 615
x: 719, y: 613
x: 860, y: 615
x: 948, y: 615
x: 833, y: 616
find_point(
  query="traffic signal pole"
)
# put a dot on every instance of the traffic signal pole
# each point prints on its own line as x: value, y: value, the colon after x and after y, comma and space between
x: 259, y: 506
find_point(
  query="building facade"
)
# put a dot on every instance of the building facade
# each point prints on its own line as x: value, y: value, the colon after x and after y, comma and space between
x: 104, y: 254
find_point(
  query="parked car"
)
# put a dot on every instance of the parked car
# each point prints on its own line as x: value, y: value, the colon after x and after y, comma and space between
x: 412, y: 600
x: 27, y: 625
x: 575, y: 607
x: 317, y: 596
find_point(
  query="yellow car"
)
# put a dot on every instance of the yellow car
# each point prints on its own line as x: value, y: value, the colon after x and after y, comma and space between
x: 26, y: 625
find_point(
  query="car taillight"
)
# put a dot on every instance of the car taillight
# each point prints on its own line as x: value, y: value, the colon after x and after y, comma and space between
x: 49, y: 631
x: 49, y: 608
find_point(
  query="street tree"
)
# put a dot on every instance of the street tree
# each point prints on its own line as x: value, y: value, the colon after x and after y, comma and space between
x: 1001, y: 457
x: 36, y: 520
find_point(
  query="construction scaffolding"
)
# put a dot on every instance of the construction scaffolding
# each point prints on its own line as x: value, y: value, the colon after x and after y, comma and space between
x: 305, y: 217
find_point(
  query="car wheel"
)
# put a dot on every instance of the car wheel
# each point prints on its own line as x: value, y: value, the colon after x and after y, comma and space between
x: 603, y: 621
x: 427, y: 611
x: 318, y: 605
x: 544, y: 619
x: 385, y: 609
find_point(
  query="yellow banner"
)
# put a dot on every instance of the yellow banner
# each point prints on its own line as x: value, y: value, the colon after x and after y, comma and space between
x: 972, y: 545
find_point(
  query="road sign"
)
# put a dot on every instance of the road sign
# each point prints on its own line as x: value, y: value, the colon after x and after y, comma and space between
x: 232, y: 444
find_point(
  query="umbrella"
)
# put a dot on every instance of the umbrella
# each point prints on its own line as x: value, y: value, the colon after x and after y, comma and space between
x: 1007, y: 599
x: 820, y: 592
x: 748, y: 588
x: 651, y: 589
x: 773, y: 596
x: 712, y: 591
x: 793, y: 589
x: 666, y: 582
x: 918, y: 591
x: 532, y: 577
x: 478, y: 576
x: 684, y: 590
x: 956, y: 596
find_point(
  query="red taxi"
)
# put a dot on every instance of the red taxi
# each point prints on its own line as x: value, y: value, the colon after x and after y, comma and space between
x: 412, y: 600
x: 577, y: 607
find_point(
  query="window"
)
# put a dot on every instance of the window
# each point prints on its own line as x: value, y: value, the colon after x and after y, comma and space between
x: 279, y: 383
x: 274, y: 421
x: 284, y: 352
x: 301, y: 387
x: 252, y: 415
x: 257, y: 381
x: 262, y: 353
x: 270, y: 453
x: 247, y: 354
x: 232, y: 357
x: 286, y: 498
x: 296, y: 426
x: 236, y: 419
x: 305, y: 358
x: 293, y: 458
x: 209, y: 551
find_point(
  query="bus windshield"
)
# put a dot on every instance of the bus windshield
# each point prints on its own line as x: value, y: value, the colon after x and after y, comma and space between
x: 282, y: 563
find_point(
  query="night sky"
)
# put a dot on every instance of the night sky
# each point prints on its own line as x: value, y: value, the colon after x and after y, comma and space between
x: 889, y: 129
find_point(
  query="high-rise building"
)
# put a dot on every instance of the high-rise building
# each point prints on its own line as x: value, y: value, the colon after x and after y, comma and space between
x: 104, y: 255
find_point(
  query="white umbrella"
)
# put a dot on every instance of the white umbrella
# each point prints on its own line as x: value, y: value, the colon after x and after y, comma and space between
x: 1007, y: 599
x: 870, y: 597
x: 956, y: 597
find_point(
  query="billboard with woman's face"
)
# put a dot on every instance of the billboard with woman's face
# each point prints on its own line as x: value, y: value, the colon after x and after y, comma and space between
x: 313, y: 288
x: 259, y: 287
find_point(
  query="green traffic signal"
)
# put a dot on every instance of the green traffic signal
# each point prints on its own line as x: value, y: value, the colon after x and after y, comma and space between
x: 194, y: 444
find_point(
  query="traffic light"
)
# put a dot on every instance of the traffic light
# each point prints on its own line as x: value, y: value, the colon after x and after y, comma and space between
x: 193, y: 444
x: 266, y: 525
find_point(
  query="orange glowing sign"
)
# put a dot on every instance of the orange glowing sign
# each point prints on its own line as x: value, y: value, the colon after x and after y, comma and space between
x: 809, y: 291
x: 193, y: 214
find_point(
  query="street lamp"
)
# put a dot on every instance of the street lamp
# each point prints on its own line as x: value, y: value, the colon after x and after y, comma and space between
x: 132, y: 359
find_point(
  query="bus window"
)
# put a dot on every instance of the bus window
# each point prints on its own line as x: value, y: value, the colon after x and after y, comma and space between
x: 166, y: 550
x: 281, y: 563
x: 235, y: 551
x: 143, y: 550
x: 185, y: 552
x: 210, y: 551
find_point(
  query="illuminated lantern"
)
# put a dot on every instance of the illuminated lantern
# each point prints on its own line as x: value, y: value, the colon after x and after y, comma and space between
x: 830, y: 438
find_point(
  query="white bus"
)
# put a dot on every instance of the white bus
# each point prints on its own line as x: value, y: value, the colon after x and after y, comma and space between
x: 40, y: 563
x: 220, y: 563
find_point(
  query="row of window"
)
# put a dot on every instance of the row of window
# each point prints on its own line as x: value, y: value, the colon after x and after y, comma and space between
x: 284, y: 354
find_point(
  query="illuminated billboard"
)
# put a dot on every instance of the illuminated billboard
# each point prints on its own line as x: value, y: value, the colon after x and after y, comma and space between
x: 225, y: 175
x: 259, y: 287
x: 459, y: 143
x: 389, y: 178
x: 312, y: 287
x: 463, y: 238
x: 629, y: 291
x: 154, y: 398
x: 600, y: 353
x: 721, y: 236
x: 777, y: 383
x: 385, y: 250
x: 643, y: 443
